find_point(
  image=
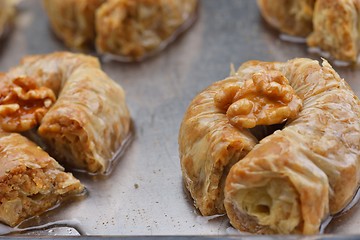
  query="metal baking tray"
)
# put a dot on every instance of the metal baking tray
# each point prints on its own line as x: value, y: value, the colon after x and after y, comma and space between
x: 144, y: 194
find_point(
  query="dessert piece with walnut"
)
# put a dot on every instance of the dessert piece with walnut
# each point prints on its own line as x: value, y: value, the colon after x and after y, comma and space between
x: 294, y: 178
x: 82, y: 112
x: 76, y: 109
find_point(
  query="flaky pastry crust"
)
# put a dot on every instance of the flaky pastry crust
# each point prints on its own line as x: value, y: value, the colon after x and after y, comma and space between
x: 209, y: 145
x: 292, y: 179
x: 89, y: 120
x: 80, y: 113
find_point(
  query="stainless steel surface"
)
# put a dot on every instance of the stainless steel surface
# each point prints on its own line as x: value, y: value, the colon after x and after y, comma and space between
x: 144, y: 195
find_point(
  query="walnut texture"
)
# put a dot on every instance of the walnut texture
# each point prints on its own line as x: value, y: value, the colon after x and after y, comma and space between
x: 264, y: 99
x: 23, y: 104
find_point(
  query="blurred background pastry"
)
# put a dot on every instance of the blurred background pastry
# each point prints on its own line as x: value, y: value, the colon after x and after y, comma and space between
x: 290, y: 17
x: 7, y: 12
x: 130, y: 29
x: 73, y: 21
x: 329, y: 25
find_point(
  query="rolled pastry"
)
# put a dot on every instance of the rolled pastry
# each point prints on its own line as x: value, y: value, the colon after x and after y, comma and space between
x: 31, y: 181
x: 89, y: 120
x: 7, y: 12
x: 296, y: 177
x: 73, y: 21
x: 131, y: 29
x: 293, y: 17
x: 209, y: 145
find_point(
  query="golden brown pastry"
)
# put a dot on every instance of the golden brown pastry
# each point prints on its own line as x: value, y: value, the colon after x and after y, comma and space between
x: 135, y: 28
x: 89, y: 120
x: 293, y: 17
x: 131, y: 29
x: 7, y: 12
x: 336, y: 28
x: 73, y: 21
x: 331, y: 25
x: 209, y: 145
x: 292, y: 179
x: 31, y: 181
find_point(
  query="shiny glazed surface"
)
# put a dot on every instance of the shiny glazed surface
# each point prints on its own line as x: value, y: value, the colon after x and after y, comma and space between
x: 144, y: 194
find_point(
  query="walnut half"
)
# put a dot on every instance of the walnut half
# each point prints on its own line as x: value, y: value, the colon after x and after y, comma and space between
x: 22, y: 103
x: 265, y: 99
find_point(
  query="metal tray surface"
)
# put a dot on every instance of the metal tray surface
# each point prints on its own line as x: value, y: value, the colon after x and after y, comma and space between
x: 144, y: 194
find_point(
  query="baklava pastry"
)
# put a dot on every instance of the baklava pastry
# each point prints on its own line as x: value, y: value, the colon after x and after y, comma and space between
x: 293, y: 17
x: 89, y: 120
x: 31, y: 181
x: 128, y: 29
x: 7, y: 12
x: 294, y: 178
x: 73, y: 21
x: 209, y: 145
x: 329, y: 25
x: 336, y: 28
x: 136, y: 28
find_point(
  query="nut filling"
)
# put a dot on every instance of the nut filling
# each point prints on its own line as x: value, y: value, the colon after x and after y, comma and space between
x: 265, y: 99
x: 31, y: 181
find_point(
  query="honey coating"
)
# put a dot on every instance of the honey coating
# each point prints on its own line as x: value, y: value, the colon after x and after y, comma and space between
x: 294, y: 178
x: 23, y: 104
